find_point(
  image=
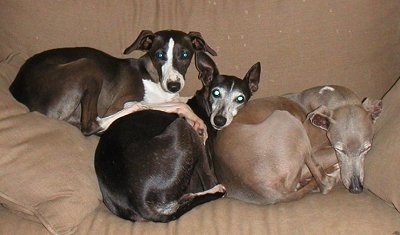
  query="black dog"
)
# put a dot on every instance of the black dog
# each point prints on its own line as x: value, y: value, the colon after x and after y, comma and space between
x: 152, y: 165
x: 79, y: 84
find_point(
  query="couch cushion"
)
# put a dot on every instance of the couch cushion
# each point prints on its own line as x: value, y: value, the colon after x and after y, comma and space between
x: 46, y: 165
x: 338, y: 212
x: 382, y: 163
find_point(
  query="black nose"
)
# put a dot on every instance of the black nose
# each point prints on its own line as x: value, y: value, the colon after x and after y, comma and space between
x: 355, y: 185
x: 219, y: 120
x: 174, y: 86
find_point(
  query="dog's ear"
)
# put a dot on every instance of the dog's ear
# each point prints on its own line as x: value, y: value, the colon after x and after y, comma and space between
x: 199, y: 44
x: 206, y: 67
x: 373, y: 107
x: 321, y: 117
x: 253, y: 77
x: 143, y: 42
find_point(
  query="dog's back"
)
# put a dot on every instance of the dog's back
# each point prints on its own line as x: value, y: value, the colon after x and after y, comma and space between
x: 263, y: 107
x: 148, y: 145
x: 331, y: 96
x: 41, y: 68
x: 77, y: 85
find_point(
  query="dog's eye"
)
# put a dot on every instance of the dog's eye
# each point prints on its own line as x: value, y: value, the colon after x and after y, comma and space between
x: 185, y: 54
x: 339, y: 149
x: 366, y: 148
x: 161, y: 55
x: 216, y: 93
x: 239, y: 99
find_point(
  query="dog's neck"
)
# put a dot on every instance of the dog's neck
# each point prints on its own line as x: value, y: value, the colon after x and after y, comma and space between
x: 201, y: 107
x: 147, y: 68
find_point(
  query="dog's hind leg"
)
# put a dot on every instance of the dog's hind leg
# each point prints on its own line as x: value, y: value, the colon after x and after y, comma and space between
x: 88, y: 114
x: 175, y: 209
x: 203, y: 177
x: 91, y: 85
x: 190, y: 200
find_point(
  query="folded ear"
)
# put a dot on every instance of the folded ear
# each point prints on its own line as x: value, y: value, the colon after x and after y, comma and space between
x: 206, y: 67
x: 374, y: 107
x: 199, y: 44
x: 253, y: 77
x: 321, y: 117
x: 143, y: 42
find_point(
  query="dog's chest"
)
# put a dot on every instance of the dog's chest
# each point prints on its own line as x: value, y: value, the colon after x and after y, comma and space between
x: 153, y: 93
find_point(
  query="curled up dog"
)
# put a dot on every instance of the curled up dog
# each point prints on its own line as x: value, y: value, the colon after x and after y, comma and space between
x: 153, y: 166
x: 278, y: 149
x: 260, y: 156
x: 346, y: 131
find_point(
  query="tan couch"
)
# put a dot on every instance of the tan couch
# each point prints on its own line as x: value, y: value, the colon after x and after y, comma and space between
x: 47, y: 180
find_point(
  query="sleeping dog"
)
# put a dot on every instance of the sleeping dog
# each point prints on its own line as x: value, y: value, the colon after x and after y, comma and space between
x: 78, y: 85
x: 153, y: 166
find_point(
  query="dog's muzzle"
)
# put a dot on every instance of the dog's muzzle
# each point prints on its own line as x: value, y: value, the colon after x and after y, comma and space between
x: 355, y: 185
x: 219, y: 121
x: 174, y: 87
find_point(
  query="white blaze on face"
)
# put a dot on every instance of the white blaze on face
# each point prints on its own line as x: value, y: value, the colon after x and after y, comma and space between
x: 326, y: 88
x: 169, y: 73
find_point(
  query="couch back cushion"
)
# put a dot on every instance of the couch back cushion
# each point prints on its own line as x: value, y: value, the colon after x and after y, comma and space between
x: 46, y: 165
x: 300, y: 44
x: 382, y: 175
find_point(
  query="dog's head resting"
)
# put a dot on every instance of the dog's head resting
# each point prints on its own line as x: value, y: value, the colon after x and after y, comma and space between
x: 350, y: 132
x: 226, y: 94
x: 170, y: 53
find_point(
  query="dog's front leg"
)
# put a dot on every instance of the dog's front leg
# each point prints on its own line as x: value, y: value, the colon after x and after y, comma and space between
x: 181, y: 109
x: 129, y: 107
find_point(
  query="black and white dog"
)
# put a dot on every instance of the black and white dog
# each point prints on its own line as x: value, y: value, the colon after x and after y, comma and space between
x: 153, y: 166
x: 80, y: 84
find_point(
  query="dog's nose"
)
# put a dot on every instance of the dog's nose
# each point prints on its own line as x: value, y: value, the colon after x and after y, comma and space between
x: 355, y: 185
x: 219, y: 120
x: 174, y: 86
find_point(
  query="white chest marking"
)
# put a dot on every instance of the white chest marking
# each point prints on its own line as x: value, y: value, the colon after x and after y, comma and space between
x: 153, y: 93
x: 326, y: 88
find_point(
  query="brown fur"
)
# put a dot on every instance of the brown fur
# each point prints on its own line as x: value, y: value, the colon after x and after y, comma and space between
x: 260, y: 156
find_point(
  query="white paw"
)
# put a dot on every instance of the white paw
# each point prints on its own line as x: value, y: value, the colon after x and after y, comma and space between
x: 129, y: 104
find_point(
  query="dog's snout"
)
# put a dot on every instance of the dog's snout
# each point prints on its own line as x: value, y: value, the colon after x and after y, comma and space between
x: 355, y: 185
x: 219, y: 120
x: 174, y: 86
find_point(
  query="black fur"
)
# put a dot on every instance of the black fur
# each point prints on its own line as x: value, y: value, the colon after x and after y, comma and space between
x: 78, y: 85
x: 150, y: 164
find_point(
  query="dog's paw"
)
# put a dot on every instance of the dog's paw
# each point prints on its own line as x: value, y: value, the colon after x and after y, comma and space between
x: 91, y: 129
x: 334, y: 173
x: 218, y: 189
x: 203, y: 134
x: 130, y: 104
